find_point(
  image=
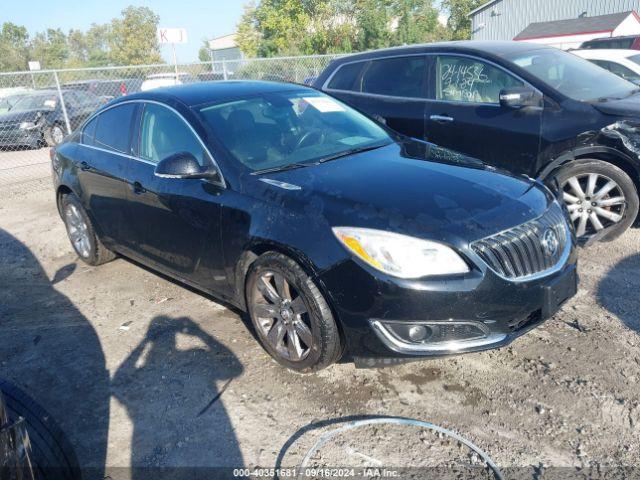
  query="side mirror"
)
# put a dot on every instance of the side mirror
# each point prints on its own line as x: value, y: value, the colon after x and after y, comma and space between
x: 184, y: 165
x: 520, y: 97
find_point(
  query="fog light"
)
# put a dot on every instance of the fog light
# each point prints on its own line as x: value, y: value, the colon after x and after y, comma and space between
x: 417, y: 333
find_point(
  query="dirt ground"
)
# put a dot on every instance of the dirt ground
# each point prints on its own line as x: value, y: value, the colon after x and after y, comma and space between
x: 140, y: 371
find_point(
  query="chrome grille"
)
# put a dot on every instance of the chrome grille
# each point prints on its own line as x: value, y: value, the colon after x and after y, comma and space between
x: 523, y: 251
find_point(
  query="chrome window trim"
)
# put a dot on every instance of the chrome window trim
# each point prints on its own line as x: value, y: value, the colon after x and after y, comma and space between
x: 222, y: 183
x: 426, y: 99
x: 115, y: 152
x: 326, y: 88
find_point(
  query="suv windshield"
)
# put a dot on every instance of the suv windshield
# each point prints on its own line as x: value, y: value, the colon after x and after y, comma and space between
x: 275, y: 130
x: 36, y: 102
x: 571, y: 75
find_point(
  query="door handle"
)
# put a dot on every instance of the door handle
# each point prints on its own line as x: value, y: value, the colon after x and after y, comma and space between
x: 138, y: 188
x: 441, y: 118
x: 84, y: 166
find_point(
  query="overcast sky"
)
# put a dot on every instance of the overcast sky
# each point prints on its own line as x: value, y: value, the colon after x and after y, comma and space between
x: 201, y: 18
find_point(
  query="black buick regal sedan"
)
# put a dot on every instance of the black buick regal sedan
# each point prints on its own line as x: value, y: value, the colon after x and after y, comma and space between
x: 338, y: 237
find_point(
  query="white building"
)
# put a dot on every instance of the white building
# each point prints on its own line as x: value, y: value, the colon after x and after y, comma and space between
x: 562, y: 23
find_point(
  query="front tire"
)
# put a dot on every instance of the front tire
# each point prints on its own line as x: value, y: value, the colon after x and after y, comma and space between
x: 291, y: 317
x: 82, y: 235
x: 53, y: 135
x: 599, y: 197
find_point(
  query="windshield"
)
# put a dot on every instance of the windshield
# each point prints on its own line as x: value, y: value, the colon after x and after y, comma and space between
x: 571, y: 75
x: 35, y: 102
x: 287, y: 128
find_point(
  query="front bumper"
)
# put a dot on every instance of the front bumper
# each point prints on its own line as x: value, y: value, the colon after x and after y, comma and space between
x: 21, y: 138
x: 491, y: 311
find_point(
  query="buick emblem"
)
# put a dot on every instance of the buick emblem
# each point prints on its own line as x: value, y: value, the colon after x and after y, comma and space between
x: 550, y: 242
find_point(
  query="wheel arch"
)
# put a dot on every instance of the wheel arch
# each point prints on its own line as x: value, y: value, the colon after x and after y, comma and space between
x: 61, y: 191
x: 607, y: 154
x: 253, y: 251
x: 251, y: 254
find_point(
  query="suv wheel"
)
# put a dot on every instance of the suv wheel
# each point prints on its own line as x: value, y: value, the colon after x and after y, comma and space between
x: 82, y: 234
x: 291, y: 317
x: 599, y: 196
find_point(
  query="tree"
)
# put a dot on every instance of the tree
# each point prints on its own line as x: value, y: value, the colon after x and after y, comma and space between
x: 204, y: 53
x: 50, y: 48
x: 417, y: 22
x: 133, y: 39
x: 459, y: 22
x: 14, y: 47
x: 374, y: 24
x: 248, y: 36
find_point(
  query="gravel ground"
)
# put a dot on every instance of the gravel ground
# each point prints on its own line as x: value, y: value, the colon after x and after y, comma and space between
x: 140, y: 371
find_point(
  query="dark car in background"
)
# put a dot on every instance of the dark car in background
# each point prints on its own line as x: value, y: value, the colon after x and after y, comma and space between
x: 38, y: 119
x: 110, y: 89
x: 335, y: 234
x: 525, y: 108
x: 628, y: 42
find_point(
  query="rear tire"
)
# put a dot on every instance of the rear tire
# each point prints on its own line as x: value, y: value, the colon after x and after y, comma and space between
x: 583, y: 183
x: 82, y: 235
x: 293, y: 321
x: 52, y: 456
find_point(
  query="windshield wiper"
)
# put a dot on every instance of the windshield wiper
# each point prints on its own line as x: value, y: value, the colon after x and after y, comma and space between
x: 352, y: 151
x: 281, y: 168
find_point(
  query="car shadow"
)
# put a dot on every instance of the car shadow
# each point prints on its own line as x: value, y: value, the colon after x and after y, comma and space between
x: 618, y: 291
x: 171, y: 385
x: 52, y: 352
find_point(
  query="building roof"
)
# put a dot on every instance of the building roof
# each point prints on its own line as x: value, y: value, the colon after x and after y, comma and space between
x: 224, y: 42
x: 573, y: 26
x: 481, y: 7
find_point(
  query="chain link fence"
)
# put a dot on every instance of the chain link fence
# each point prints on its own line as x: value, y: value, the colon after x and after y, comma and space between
x: 37, y: 109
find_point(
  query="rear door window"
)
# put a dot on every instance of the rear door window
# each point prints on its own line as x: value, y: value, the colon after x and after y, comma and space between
x: 464, y: 79
x: 396, y: 77
x: 89, y: 132
x: 346, y: 78
x: 113, y: 131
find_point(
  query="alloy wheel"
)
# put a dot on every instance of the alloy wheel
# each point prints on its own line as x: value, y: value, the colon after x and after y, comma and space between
x: 594, y: 201
x: 78, y: 230
x: 282, y: 316
x: 57, y: 134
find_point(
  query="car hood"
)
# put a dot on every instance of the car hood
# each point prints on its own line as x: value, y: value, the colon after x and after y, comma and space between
x: 629, y: 106
x: 20, y: 116
x: 433, y: 195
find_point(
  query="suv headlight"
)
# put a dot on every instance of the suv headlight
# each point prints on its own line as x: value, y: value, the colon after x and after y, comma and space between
x: 28, y: 126
x: 400, y: 255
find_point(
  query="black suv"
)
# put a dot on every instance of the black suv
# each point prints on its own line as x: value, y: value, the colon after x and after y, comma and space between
x: 526, y: 108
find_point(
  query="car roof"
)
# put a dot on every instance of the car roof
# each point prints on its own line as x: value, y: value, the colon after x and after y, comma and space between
x: 200, y: 93
x: 496, y: 48
x: 606, y: 53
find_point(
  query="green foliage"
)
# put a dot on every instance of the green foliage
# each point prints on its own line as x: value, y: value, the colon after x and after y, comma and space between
x: 459, y: 23
x: 128, y: 40
x: 14, y: 47
x: 134, y: 41
x: 288, y: 27
x: 204, y: 54
x: 51, y: 48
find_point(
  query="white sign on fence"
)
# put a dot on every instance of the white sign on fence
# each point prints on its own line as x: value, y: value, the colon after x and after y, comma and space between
x: 172, y: 35
x: 34, y: 65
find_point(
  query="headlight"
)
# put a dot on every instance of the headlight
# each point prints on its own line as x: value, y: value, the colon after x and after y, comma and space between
x: 28, y: 126
x: 400, y: 255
